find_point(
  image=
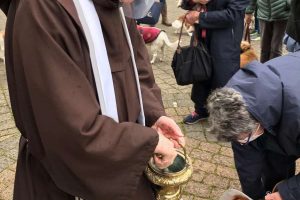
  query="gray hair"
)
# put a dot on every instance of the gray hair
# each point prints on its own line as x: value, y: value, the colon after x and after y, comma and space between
x: 228, y: 114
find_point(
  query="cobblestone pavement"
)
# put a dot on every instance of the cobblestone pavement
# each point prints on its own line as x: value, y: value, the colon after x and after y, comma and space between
x: 212, y: 160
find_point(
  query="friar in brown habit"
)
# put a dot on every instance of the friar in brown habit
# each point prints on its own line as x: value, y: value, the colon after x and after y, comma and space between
x: 67, y: 148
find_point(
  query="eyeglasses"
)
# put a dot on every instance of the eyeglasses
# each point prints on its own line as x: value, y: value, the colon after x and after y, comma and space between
x: 252, y: 136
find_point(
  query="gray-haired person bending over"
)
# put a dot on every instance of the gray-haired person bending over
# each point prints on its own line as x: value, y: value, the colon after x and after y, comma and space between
x: 259, y: 111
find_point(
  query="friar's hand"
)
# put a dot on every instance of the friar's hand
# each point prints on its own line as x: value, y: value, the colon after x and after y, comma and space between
x: 273, y: 196
x: 170, y: 129
x: 248, y: 18
x: 164, y: 153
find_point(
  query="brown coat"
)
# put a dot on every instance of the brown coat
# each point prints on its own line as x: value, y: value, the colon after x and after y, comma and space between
x: 68, y: 148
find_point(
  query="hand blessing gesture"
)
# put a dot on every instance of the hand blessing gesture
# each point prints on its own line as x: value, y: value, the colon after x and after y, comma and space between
x: 169, y: 129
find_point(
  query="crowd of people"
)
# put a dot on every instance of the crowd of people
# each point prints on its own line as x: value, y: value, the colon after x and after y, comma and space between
x: 77, y: 143
x: 257, y: 108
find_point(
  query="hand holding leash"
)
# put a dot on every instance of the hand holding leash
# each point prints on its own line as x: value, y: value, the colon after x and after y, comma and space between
x: 248, y: 18
x: 192, y: 17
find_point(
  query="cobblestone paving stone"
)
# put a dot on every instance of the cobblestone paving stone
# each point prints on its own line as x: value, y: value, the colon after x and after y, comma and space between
x: 212, y: 160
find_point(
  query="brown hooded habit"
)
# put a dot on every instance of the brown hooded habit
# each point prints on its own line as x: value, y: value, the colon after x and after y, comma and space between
x: 67, y: 147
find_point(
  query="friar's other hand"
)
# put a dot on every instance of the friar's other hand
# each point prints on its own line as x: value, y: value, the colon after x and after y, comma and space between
x: 170, y: 130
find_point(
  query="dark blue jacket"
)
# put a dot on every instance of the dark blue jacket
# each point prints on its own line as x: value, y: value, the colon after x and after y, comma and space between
x: 272, y: 94
x: 224, y: 22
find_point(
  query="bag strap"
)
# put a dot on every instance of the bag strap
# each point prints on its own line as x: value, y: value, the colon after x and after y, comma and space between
x: 247, y: 33
x: 195, y: 40
x: 180, y: 33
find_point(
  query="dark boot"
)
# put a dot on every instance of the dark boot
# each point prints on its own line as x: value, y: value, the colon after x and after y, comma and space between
x: 164, y: 15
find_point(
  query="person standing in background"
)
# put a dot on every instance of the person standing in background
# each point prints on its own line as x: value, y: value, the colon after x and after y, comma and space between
x: 164, y: 13
x: 221, y: 27
x: 273, y: 16
x: 68, y: 146
x: 259, y: 112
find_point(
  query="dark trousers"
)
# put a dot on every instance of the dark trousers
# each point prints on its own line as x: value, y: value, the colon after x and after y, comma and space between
x: 260, y: 169
x: 256, y: 22
x: 272, y: 34
x: 200, y: 92
x: 223, y: 70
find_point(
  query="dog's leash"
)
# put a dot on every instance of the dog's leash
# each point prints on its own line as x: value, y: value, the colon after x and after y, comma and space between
x: 180, y: 33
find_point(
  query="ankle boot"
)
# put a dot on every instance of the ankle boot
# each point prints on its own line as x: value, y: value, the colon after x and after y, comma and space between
x: 164, y: 15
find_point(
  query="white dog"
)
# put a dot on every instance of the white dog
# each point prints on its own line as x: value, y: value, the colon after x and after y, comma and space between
x: 157, y: 40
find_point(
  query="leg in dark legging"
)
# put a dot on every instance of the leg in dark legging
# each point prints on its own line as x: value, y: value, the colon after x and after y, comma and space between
x: 278, y: 34
x: 266, y: 32
x: 200, y: 92
x: 164, y: 14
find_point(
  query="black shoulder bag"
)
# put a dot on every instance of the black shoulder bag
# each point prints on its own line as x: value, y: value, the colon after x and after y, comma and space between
x: 191, y: 64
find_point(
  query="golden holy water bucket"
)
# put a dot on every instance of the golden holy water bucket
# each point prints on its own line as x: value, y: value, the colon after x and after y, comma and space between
x: 171, y: 179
